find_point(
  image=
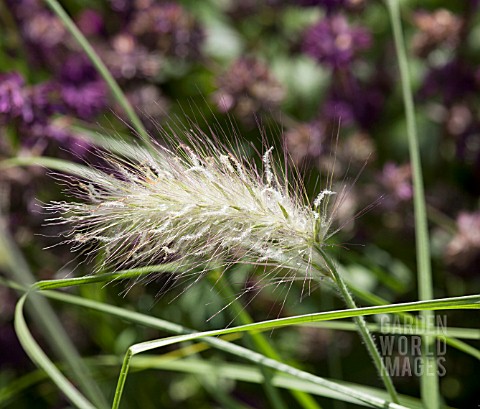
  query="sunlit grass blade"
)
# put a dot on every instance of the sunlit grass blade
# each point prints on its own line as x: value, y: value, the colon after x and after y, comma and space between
x: 107, y: 277
x: 252, y: 374
x: 467, y: 302
x: 448, y: 338
x: 429, y: 379
x: 458, y: 302
x: 15, y: 265
x: 376, y: 300
x: 368, y: 399
x: 42, y: 361
x: 465, y: 333
x: 112, y: 141
x: 47, y: 162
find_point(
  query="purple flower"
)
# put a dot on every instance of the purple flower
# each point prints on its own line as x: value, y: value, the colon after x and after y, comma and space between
x: 29, y: 104
x: 451, y: 81
x: 463, y: 251
x: 46, y: 100
x: 122, y: 6
x: 333, y: 42
x: 90, y: 22
x: 44, y: 35
x: 30, y: 108
x: 331, y: 5
x: 351, y: 101
x: 81, y: 89
x: 12, y: 98
x: 338, y: 107
x: 396, y: 184
x: 168, y: 28
x: 248, y: 86
x: 127, y: 59
x: 306, y: 140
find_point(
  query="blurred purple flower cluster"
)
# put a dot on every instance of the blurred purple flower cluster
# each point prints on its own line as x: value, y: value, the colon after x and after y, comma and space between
x: 332, y: 5
x: 360, y: 92
x: 150, y: 33
x: 31, y: 108
x: 350, y: 100
x: 81, y: 89
x: 463, y: 251
x: 334, y: 42
x: 167, y: 28
x: 248, y: 87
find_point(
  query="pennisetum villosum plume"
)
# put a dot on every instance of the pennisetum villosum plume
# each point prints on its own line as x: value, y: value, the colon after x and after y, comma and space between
x: 196, y: 202
x: 200, y: 202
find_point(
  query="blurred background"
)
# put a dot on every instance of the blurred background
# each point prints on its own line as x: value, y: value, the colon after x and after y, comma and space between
x: 319, y: 78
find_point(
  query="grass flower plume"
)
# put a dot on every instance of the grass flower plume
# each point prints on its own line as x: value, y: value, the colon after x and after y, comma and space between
x: 195, y: 202
x: 199, y: 203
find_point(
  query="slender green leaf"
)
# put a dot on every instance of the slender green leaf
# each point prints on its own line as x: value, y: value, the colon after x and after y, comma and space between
x: 252, y: 374
x: 15, y: 265
x: 429, y: 379
x: 42, y: 361
x: 465, y: 333
x: 451, y: 303
x: 46, y: 162
x: 464, y: 302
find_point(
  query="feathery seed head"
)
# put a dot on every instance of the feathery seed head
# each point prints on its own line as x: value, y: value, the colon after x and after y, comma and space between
x: 195, y: 203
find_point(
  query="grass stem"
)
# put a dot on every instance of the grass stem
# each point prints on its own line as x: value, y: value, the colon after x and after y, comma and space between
x: 429, y: 379
x: 362, y: 328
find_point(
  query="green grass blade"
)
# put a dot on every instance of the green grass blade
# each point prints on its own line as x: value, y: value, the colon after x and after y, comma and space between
x: 459, y: 303
x: 452, y: 332
x: 251, y: 374
x: 448, y: 337
x: 15, y: 265
x: 49, y: 163
x: 462, y: 302
x: 465, y: 302
x: 256, y: 342
x: 455, y: 302
x: 465, y: 333
x: 359, y: 396
x: 120, y: 144
x: 376, y: 300
x: 107, y: 277
x: 42, y: 361
x: 222, y: 345
x: 429, y: 379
